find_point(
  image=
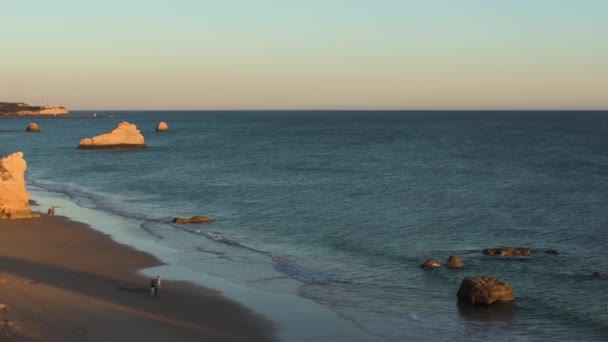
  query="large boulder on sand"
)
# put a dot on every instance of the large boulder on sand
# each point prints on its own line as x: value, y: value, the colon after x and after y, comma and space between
x: 509, y: 251
x: 124, y: 135
x: 162, y: 127
x: 484, y: 290
x: 33, y: 127
x: 14, y: 199
x: 193, y: 219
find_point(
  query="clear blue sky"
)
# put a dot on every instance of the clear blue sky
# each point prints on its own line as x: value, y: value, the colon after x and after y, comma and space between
x: 305, y: 54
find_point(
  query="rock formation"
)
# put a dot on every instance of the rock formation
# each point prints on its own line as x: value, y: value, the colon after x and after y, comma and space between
x: 193, y: 219
x: 162, y: 127
x: 454, y: 262
x: 484, y: 290
x: 430, y: 263
x: 124, y: 135
x: 23, y: 109
x: 14, y: 199
x: 509, y: 251
x: 33, y: 127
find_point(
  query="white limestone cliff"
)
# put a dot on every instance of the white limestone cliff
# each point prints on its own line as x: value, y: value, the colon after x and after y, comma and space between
x: 14, y: 199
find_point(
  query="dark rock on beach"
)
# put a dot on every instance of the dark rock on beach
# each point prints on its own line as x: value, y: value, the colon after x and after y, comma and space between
x: 193, y: 219
x: 509, y: 251
x: 484, y: 290
x: 454, y: 262
x: 430, y: 263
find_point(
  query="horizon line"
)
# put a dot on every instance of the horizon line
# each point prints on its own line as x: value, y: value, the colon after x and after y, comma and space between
x: 358, y: 110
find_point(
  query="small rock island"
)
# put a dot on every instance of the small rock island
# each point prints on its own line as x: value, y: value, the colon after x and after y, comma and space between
x: 125, y: 135
x: 24, y: 109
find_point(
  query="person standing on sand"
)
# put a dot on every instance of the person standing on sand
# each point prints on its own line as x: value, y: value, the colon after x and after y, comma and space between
x: 156, y: 285
x: 153, y: 287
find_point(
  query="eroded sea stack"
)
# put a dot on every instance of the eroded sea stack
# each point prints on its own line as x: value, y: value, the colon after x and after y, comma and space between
x: 14, y: 199
x: 125, y: 135
x: 162, y: 127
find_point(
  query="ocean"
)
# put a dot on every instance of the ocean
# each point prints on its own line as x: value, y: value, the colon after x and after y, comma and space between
x: 334, y: 211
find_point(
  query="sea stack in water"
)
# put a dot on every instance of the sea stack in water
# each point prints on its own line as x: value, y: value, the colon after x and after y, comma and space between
x: 162, y: 127
x: 125, y: 135
x: 14, y: 199
x: 33, y: 127
x: 484, y: 290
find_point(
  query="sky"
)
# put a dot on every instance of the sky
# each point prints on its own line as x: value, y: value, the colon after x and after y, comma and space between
x: 305, y: 54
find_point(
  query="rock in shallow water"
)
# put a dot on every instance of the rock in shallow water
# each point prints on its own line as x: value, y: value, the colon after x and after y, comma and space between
x: 484, y: 290
x: 509, y: 251
x: 430, y: 263
x: 454, y: 262
x: 193, y: 219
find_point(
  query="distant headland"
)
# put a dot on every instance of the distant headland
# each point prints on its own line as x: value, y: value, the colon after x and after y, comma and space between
x: 24, y: 109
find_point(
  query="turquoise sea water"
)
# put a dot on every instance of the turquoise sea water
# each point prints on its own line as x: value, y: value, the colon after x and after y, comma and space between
x: 340, y: 208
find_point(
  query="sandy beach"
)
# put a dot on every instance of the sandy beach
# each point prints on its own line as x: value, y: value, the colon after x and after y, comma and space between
x: 62, y: 281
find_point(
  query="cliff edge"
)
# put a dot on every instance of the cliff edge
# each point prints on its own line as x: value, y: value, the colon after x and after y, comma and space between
x: 23, y: 109
x: 14, y: 199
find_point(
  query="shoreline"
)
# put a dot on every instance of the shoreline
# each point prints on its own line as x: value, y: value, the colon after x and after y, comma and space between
x: 62, y: 280
x: 292, y: 315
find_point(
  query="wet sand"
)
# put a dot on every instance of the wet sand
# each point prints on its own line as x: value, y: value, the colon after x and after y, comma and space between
x: 63, y: 281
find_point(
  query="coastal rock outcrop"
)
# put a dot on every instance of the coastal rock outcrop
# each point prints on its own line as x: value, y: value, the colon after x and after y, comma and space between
x: 454, y: 262
x: 14, y: 199
x: 33, y: 127
x: 162, y: 127
x: 430, y: 263
x: 24, y: 109
x: 124, y: 135
x: 484, y: 290
x: 193, y: 219
x: 509, y: 251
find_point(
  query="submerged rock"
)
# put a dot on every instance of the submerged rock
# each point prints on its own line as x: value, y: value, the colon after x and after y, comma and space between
x: 509, y: 251
x: 454, y: 262
x: 552, y: 252
x: 484, y: 290
x: 33, y: 127
x: 124, y: 135
x: 598, y: 275
x: 14, y: 199
x: 162, y: 127
x: 430, y: 263
x: 193, y: 219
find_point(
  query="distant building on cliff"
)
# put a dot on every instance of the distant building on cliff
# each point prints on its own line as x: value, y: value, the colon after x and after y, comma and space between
x: 24, y: 109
